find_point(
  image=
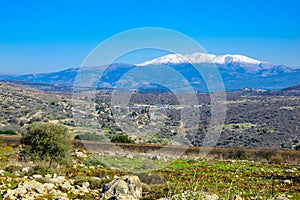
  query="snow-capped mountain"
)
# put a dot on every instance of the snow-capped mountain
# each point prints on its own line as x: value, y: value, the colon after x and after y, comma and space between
x: 237, y: 72
x: 202, y: 58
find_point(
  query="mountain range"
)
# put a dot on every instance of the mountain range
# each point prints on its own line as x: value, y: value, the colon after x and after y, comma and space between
x: 237, y: 72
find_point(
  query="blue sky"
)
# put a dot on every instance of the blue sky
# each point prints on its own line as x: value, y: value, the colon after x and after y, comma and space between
x: 45, y: 36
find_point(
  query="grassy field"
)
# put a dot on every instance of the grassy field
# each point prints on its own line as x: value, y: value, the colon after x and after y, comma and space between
x: 226, y: 178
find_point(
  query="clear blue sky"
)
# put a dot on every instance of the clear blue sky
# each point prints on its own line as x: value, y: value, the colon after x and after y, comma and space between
x: 44, y: 36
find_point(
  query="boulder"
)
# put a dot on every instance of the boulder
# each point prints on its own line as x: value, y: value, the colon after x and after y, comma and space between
x: 123, y: 188
x: 37, y: 176
x: 79, y: 154
x: 26, y: 190
x: 49, y: 186
x: 281, y: 197
x: 33, y: 186
x: 58, y: 180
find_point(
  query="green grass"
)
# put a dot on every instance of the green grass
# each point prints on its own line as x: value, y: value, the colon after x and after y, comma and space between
x: 251, y: 180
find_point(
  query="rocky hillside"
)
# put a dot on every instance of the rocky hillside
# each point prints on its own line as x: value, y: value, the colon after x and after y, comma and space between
x: 255, y: 118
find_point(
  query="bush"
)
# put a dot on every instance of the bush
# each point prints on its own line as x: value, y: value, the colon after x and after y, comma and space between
x: 238, y: 153
x: 277, y: 159
x: 46, y: 141
x: 95, y: 183
x: 41, y: 170
x: 8, y: 132
x: 121, y: 139
x: 297, y: 147
x: 89, y: 136
x: 13, y: 168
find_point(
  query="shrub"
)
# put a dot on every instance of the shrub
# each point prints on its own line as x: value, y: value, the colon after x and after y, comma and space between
x: 89, y: 136
x: 238, y: 154
x: 297, y: 147
x: 265, y: 154
x: 8, y: 132
x: 150, y: 179
x: 46, y: 141
x: 95, y: 183
x: 13, y: 168
x: 121, y: 139
x: 41, y: 170
x: 277, y: 159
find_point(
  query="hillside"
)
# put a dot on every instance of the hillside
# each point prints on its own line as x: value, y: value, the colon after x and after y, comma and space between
x: 254, y: 119
x: 22, y: 105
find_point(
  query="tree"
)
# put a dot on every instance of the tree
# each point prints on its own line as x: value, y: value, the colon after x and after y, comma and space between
x: 46, y: 141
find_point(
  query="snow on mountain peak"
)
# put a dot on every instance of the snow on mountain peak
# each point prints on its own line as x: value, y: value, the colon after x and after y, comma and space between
x: 201, y: 58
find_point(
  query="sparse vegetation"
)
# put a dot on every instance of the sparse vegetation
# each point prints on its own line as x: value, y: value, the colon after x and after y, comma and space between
x: 188, y: 176
x: 40, y: 169
x: 263, y: 121
x: 254, y: 120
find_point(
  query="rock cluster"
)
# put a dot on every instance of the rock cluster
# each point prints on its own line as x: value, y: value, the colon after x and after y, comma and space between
x: 57, y: 187
x: 123, y: 188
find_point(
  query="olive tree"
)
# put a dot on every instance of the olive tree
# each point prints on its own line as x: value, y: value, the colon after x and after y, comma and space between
x: 46, y: 141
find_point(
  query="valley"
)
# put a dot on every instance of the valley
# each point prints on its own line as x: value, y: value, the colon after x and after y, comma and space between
x: 254, y: 119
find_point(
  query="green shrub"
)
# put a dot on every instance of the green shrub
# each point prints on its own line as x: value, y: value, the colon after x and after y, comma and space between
x: 41, y: 170
x: 156, y: 192
x: 95, y: 183
x: 13, y: 168
x: 150, y: 179
x: 121, y: 139
x: 8, y: 132
x: 89, y: 136
x: 46, y: 141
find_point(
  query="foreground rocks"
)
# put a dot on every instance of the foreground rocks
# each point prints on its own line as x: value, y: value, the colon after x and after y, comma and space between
x: 56, y: 187
x: 120, y: 188
x: 123, y: 188
x: 33, y: 190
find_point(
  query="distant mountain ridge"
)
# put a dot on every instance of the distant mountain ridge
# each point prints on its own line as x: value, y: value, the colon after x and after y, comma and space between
x: 237, y: 72
x: 63, y: 78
